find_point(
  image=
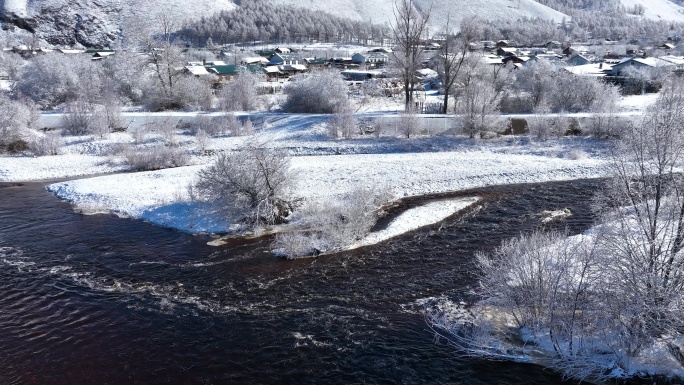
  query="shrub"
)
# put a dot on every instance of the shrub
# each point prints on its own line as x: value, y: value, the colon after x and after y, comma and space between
x: 332, y: 225
x: 202, y: 140
x: 342, y: 124
x: 221, y: 125
x: 48, y: 144
x: 83, y: 118
x: 322, y: 92
x: 251, y: 183
x: 17, y: 146
x: 241, y: 93
x: 154, y: 158
x: 16, y: 119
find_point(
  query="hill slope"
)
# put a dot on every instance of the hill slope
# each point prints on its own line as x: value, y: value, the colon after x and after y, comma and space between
x: 99, y: 22
x: 380, y: 11
x: 658, y: 9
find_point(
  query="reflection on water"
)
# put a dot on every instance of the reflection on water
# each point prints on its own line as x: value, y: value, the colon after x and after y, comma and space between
x: 99, y: 299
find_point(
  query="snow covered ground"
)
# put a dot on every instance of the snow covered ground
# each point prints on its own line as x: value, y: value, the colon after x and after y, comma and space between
x: 416, y: 218
x: 381, y: 11
x: 161, y: 196
x: 326, y: 168
x: 664, y: 10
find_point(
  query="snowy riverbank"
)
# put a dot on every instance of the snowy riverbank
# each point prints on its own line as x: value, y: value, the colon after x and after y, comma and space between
x: 161, y: 196
x: 326, y: 168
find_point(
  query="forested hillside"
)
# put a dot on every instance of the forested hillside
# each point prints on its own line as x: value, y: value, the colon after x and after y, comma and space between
x: 283, y: 23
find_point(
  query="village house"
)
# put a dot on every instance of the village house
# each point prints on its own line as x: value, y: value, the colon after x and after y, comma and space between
x: 286, y: 59
x: 572, y: 50
x: 225, y: 73
x: 506, y: 44
x: 670, y: 63
x: 371, y: 59
x: 312, y: 62
x: 503, y: 51
x: 578, y: 60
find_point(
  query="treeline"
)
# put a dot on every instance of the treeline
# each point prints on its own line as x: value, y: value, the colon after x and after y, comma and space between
x: 610, y: 19
x: 275, y: 23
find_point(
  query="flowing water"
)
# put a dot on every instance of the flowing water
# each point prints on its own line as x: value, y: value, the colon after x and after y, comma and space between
x: 104, y: 300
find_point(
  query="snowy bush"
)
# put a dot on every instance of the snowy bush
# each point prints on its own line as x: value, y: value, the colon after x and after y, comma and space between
x: 226, y: 124
x: 16, y: 119
x: 408, y: 123
x: 48, y: 144
x: 332, y: 225
x: 82, y: 118
x: 203, y: 140
x: 240, y: 94
x: 140, y: 158
x: 342, y: 124
x: 182, y: 93
x: 251, y: 183
x: 319, y: 92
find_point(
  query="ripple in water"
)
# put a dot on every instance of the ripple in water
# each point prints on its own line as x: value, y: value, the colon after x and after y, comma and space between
x: 98, y: 299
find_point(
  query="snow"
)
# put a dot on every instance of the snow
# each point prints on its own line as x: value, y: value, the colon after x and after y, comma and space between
x: 416, y: 218
x: 637, y: 103
x: 23, y: 168
x: 326, y: 169
x: 381, y: 11
x: 658, y: 9
x: 160, y: 196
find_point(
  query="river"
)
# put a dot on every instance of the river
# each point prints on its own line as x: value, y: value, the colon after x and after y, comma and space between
x: 105, y: 300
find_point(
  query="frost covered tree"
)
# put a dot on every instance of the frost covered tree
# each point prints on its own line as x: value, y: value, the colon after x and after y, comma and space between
x: 241, y: 93
x: 343, y: 124
x: 604, y: 303
x: 252, y: 183
x: 649, y: 238
x: 54, y: 78
x: 408, y: 123
x: 409, y: 29
x: 317, y: 92
x: 477, y: 96
x: 453, y: 54
x: 17, y: 118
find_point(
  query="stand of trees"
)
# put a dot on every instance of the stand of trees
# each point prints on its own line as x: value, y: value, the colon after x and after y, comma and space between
x: 603, y: 304
x: 277, y: 23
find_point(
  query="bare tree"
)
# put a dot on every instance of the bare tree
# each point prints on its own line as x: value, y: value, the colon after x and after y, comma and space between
x: 408, y: 123
x: 478, y: 97
x: 409, y: 29
x: 453, y: 55
x: 649, y: 237
x: 343, y: 124
x: 252, y: 182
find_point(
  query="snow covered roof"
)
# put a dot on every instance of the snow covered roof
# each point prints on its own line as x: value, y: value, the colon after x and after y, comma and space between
x: 293, y: 67
x: 255, y: 60
x: 676, y: 60
x: 592, y: 69
x: 197, y: 70
x: 426, y: 72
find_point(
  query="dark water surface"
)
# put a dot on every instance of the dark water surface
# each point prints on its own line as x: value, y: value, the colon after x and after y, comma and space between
x: 104, y: 300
